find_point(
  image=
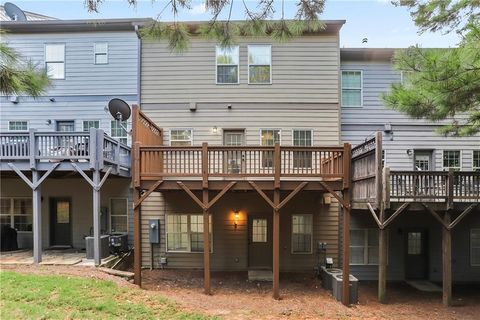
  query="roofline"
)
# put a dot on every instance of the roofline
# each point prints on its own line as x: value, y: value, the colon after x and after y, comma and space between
x: 73, y: 25
x: 369, y: 54
x: 113, y: 25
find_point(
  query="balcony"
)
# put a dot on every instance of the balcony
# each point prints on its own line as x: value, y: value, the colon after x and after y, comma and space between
x: 86, y: 150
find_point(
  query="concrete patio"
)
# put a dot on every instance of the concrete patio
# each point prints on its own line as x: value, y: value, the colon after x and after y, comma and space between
x: 50, y: 257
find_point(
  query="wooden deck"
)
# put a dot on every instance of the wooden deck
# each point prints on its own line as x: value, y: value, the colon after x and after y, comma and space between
x: 38, y: 150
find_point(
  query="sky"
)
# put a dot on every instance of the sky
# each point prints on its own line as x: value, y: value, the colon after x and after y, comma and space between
x: 383, y: 24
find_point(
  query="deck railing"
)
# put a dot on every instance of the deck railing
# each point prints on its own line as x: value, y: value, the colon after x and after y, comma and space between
x: 64, y: 146
x: 241, y: 161
x: 434, y: 186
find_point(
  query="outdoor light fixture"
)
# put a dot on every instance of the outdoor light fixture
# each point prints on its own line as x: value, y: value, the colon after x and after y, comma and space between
x: 409, y: 152
x: 236, y: 215
x: 214, y: 129
x: 48, y: 122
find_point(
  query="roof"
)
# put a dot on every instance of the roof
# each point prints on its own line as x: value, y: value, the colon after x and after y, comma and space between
x: 31, y: 16
x: 369, y: 54
x: 42, y: 26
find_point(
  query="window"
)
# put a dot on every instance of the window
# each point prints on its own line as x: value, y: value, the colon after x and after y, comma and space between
x: 259, y: 230
x: 414, y: 243
x: 117, y: 132
x: 269, y: 137
x: 118, y: 215
x: 259, y: 64
x: 181, y: 137
x: 475, y: 247
x: 476, y: 160
x: 100, y: 52
x: 185, y: 232
x: 302, y: 138
x: 17, y: 125
x: 302, y: 233
x: 452, y: 159
x: 227, y: 65
x: 87, y: 124
x: 364, y: 246
x: 351, y: 88
x: 55, y: 60
x: 16, y: 213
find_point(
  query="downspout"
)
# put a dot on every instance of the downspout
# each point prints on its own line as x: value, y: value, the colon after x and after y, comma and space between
x: 139, y: 66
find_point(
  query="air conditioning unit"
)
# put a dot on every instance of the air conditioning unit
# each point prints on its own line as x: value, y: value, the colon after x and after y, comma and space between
x: 118, y: 243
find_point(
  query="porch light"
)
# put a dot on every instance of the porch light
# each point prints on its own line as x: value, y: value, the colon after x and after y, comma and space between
x: 236, y: 216
x: 214, y: 129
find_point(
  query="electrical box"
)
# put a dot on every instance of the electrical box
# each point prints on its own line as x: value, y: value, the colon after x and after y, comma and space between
x: 154, y: 230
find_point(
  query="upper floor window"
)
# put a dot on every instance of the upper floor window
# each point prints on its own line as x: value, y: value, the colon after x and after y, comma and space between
x: 55, y: 60
x: 17, y: 125
x: 352, y: 88
x: 181, y: 137
x: 87, y: 124
x: 452, y: 159
x: 100, y: 52
x: 302, y: 233
x: 476, y: 160
x: 118, y: 215
x: 227, y: 65
x: 259, y: 64
x: 118, y: 132
x: 302, y: 138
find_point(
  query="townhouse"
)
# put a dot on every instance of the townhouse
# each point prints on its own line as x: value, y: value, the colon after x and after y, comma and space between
x: 68, y: 135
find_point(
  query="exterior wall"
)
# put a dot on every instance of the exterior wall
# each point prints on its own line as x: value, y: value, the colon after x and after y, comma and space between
x: 361, y: 122
x: 230, y: 245
x: 303, y: 70
x: 80, y: 193
x: 462, y: 270
x: 87, y: 87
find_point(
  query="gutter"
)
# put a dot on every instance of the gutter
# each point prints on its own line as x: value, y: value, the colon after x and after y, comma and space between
x: 139, y: 67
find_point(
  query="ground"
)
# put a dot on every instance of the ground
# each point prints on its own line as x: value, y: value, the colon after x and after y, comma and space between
x: 302, y: 297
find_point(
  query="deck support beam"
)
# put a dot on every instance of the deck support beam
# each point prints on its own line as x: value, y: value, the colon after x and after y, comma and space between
x: 346, y: 202
x: 447, y: 262
x: 137, y: 239
x: 96, y: 218
x: 276, y: 245
x: 206, y: 244
x: 37, y: 219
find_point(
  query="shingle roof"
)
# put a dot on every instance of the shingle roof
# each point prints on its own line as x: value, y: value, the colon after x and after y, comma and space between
x: 31, y: 16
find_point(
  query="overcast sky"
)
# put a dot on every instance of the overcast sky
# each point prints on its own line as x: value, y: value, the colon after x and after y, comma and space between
x: 383, y: 24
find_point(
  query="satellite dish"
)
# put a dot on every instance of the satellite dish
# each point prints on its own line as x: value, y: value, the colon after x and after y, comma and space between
x: 119, y: 109
x: 14, y: 12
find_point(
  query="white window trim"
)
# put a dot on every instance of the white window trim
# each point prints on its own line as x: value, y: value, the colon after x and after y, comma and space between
x: 90, y: 120
x: 471, y: 248
x: 28, y: 125
x: 189, y: 231
x: 473, y: 163
x: 216, y: 69
x: 361, y: 87
x: 302, y: 129
x: 291, y: 234
x: 248, y: 61
x: 265, y: 129
x: 95, y: 52
x: 175, y: 129
x: 110, y: 213
x: 365, y: 245
x: 55, y: 61
x: 461, y: 159
x: 12, y: 215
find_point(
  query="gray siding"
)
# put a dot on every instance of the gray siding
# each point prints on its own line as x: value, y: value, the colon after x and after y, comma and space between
x: 361, y: 122
x: 82, y: 76
x: 303, y: 70
x: 462, y: 269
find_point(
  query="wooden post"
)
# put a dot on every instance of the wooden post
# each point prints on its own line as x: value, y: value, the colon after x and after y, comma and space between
x: 378, y: 168
x: 447, y: 262
x: 451, y: 179
x: 37, y: 218
x: 347, y: 154
x: 137, y: 240
x: 382, y: 241
x: 276, y: 245
x: 206, y: 221
x: 96, y: 218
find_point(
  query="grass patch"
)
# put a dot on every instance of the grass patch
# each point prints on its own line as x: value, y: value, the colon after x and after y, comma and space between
x: 27, y: 296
